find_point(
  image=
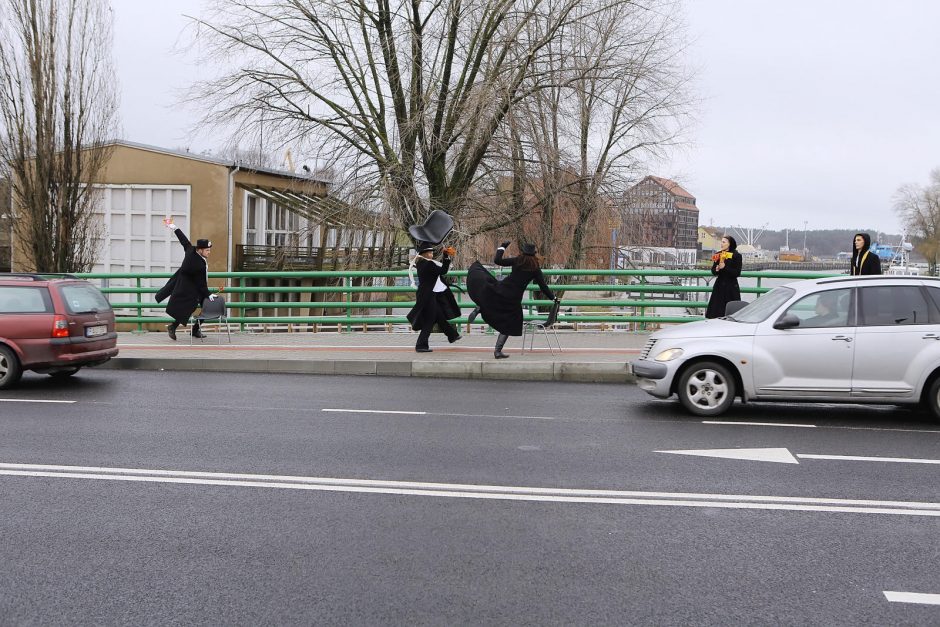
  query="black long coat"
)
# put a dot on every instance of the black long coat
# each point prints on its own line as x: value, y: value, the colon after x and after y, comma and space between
x: 726, y: 287
x: 188, y: 286
x: 870, y: 263
x: 500, y: 302
x: 427, y: 301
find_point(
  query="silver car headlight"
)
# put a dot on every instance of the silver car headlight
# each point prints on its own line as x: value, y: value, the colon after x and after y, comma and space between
x: 669, y: 354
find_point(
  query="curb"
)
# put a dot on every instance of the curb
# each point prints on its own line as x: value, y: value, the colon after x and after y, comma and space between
x: 579, y: 372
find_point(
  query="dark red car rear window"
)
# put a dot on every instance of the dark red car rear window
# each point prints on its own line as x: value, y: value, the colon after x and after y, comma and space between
x: 16, y: 299
x: 84, y: 298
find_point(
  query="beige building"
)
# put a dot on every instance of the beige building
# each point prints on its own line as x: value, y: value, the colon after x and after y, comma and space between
x: 258, y: 219
x: 709, y: 239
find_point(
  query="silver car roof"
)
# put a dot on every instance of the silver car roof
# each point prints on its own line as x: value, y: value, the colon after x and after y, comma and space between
x: 809, y: 285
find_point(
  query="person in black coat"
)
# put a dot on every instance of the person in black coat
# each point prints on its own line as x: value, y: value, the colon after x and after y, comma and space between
x: 500, y: 302
x: 434, y: 302
x: 726, y: 266
x: 863, y: 260
x: 189, y: 286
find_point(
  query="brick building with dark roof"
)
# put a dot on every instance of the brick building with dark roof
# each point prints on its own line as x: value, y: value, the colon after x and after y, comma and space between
x: 659, y: 214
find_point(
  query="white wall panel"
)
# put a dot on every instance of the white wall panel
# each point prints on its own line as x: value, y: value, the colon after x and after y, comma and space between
x: 133, y: 237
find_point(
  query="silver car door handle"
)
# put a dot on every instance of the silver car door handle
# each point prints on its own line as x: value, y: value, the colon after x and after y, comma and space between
x: 930, y: 336
x: 844, y: 338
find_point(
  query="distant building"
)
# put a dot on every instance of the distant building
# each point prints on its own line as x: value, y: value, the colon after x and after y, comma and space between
x: 6, y: 224
x: 660, y: 223
x: 709, y: 239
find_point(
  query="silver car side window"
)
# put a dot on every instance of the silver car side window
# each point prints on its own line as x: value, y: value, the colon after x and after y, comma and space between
x: 893, y: 305
x: 823, y: 309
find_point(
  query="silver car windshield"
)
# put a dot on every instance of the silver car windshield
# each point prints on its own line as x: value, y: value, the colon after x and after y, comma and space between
x: 763, y: 307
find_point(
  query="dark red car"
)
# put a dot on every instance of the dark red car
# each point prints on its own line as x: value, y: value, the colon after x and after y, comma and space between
x: 52, y: 324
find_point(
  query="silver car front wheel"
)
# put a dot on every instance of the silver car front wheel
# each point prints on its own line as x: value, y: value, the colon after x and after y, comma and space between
x: 706, y: 388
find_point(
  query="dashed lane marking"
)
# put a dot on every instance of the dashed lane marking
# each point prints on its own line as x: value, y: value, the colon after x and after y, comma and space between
x: 31, y: 400
x: 757, y: 424
x: 921, y: 598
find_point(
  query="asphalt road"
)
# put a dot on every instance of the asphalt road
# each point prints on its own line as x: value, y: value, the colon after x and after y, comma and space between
x: 181, y: 498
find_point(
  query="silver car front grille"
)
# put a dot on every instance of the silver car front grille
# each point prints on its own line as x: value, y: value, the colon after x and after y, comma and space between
x: 647, y: 349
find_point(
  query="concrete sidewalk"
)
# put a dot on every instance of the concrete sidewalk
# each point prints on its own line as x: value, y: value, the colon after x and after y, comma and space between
x: 584, y: 356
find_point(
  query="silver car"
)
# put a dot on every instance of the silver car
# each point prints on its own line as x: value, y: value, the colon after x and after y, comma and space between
x: 867, y: 339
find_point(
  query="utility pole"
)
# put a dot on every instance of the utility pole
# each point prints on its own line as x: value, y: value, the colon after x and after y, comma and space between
x: 804, y: 239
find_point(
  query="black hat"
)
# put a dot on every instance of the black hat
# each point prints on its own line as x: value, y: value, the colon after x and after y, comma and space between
x: 203, y: 243
x: 424, y: 247
x: 528, y: 249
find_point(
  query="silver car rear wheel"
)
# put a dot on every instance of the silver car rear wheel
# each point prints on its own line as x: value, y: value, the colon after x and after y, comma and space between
x: 706, y: 388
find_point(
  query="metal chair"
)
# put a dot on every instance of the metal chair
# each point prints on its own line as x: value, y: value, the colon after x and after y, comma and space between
x: 529, y: 328
x: 213, y: 311
x: 438, y: 225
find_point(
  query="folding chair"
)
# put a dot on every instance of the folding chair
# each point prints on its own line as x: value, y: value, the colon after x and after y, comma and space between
x: 213, y: 311
x: 529, y: 328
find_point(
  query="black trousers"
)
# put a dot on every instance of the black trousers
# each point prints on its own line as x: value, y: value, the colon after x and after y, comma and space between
x: 428, y: 326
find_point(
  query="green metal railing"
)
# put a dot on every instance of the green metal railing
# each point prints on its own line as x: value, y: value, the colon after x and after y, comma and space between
x: 349, y: 292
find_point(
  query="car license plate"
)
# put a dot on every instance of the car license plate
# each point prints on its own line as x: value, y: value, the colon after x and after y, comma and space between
x: 96, y: 331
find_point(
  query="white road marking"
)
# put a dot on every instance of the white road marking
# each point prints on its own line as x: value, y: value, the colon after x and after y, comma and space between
x: 31, y: 400
x: 756, y: 424
x: 776, y: 455
x: 488, y: 492
x: 912, y: 597
x: 425, y: 413
x: 376, y: 411
x: 859, y: 458
x: 783, y: 456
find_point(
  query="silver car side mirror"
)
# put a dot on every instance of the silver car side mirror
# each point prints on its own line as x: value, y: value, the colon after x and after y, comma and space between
x: 787, y: 321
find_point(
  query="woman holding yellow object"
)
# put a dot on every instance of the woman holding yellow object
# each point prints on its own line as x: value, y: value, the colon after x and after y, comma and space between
x: 726, y: 266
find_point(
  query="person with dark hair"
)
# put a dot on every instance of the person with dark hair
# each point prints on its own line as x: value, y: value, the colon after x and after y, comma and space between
x: 189, y: 286
x: 434, y: 302
x: 726, y: 266
x: 500, y: 302
x: 863, y: 260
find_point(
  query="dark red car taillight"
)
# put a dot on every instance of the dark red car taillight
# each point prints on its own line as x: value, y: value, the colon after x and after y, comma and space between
x: 60, y: 328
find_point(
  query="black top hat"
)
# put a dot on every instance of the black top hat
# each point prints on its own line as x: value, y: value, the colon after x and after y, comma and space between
x: 424, y: 247
x: 203, y: 243
x: 528, y: 249
x: 434, y: 229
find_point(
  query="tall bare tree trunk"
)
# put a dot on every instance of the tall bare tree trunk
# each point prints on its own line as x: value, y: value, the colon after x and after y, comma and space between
x: 57, y: 105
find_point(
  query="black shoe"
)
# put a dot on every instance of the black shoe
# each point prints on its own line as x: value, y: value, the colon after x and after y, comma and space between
x: 198, y: 334
x: 454, y: 338
x: 423, y: 350
x: 473, y: 315
x: 171, y: 331
x: 500, y: 355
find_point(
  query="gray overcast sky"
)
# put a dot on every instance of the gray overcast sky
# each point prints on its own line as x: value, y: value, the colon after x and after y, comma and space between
x: 812, y: 110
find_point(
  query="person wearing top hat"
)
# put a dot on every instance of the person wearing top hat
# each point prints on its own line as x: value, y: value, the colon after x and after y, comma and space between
x: 434, y: 302
x: 863, y: 260
x: 726, y: 266
x: 500, y: 302
x: 189, y: 285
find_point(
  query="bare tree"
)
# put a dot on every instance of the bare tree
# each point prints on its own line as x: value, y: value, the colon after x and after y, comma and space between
x: 919, y: 210
x: 619, y: 98
x: 406, y: 94
x: 57, y: 100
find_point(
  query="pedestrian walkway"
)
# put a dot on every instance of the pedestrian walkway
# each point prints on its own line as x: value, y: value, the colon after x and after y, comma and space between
x: 584, y: 356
